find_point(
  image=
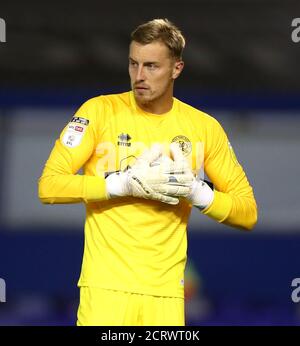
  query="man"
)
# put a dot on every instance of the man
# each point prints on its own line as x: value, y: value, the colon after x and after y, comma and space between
x: 140, y: 151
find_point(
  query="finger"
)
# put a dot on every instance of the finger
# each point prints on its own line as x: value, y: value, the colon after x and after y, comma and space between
x: 176, y: 152
x: 185, y: 178
x: 165, y: 160
x: 175, y: 167
x: 174, y: 190
x: 151, y: 155
x: 179, y: 179
x: 162, y: 161
x: 166, y: 199
x: 180, y: 161
x: 155, y: 153
x: 156, y: 179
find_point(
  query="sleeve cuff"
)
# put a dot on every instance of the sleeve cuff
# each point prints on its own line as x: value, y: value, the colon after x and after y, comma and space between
x: 95, y: 189
x: 220, y: 208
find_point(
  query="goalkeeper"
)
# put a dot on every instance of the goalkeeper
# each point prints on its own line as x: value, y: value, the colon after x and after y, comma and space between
x: 139, y: 151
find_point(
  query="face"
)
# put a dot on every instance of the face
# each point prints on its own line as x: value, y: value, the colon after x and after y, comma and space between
x: 152, y: 71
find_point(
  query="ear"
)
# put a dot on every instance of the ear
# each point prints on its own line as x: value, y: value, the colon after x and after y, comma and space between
x: 178, y: 67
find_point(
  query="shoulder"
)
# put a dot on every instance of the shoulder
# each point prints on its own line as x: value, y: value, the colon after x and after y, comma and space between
x: 197, y: 116
x: 107, y: 100
x: 103, y: 107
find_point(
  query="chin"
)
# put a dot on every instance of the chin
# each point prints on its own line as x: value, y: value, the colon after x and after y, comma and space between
x: 143, y: 99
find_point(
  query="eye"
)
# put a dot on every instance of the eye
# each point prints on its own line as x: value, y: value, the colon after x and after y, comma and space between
x: 132, y: 63
x: 152, y: 66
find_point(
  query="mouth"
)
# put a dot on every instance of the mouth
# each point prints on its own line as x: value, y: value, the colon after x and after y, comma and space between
x: 141, y: 88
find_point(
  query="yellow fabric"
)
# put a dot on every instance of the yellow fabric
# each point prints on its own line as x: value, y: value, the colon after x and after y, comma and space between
x: 137, y: 245
x: 101, y: 307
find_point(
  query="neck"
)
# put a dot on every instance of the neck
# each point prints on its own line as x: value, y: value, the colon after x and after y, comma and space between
x: 158, y: 106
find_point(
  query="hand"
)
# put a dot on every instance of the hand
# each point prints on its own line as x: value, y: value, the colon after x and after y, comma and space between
x: 150, y: 179
x: 201, y: 194
x: 180, y: 177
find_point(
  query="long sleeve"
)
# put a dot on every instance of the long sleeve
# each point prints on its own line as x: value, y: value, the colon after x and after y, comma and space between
x: 60, y: 182
x: 234, y: 203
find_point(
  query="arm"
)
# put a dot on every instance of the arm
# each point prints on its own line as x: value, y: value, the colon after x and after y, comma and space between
x: 233, y: 203
x: 60, y: 182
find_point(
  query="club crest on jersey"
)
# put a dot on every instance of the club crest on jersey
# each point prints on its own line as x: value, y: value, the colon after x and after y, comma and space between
x: 124, y: 140
x: 184, y: 144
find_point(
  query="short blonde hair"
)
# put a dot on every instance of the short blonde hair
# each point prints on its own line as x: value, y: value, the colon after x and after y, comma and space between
x: 160, y: 30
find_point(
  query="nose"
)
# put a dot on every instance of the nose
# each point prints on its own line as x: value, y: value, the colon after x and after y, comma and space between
x: 140, y: 74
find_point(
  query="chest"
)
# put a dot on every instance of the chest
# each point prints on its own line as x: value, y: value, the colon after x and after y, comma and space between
x: 127, y: 136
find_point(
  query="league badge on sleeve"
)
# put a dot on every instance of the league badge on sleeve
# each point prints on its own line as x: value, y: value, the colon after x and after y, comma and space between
x: 74, y: 132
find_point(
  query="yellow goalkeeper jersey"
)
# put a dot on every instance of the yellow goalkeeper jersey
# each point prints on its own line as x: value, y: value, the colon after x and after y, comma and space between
x: 133, y: 244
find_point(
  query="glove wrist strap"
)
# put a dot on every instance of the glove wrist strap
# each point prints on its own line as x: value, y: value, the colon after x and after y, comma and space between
x: 202, y: 194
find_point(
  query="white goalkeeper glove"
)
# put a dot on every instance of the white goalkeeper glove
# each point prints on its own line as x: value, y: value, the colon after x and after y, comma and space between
x: 151, y: 180
x: 180, y: 179
x: 201, y: 194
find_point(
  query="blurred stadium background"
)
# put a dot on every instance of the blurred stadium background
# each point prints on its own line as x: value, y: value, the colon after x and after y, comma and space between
x: 241, y: 66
